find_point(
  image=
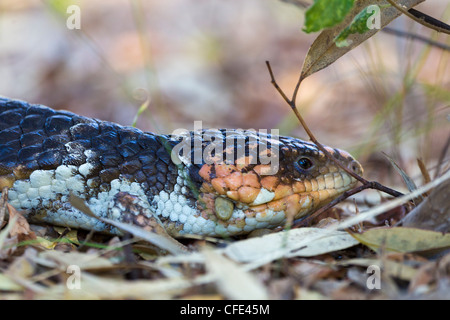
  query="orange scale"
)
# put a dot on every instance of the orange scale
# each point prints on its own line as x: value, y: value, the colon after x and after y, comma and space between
x: 223, y: 170
x: 282, y: 191
x: 248, y: 194
x: 234, y: 181
x: 219, y: 185
x: 263, y: 169
x: 205, y: 172
x: 270, y: 183
x: 243, y: 162
x: 251, y: 212
x: 251, y: 180
x: 207, y: 188
x: 298, y: 187
x: 277, y: 205
x: 233, y: 195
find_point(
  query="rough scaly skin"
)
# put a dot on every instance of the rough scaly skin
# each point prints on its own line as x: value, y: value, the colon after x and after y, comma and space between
x: 220, y: 185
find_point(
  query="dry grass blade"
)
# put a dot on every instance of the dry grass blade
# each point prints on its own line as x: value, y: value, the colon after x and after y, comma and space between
x: 231, y: 279
x: 160, y: 240
x: 324, y: 51
x: 96, y: 287
x: 164, y: 242
x: 5, y: 232
x: 406, y: 179
x: 369, y: 214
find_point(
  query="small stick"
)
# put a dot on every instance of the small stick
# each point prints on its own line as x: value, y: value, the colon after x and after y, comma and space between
x: 405, y: 34
x: 422, y: 18
x: 291, y: 103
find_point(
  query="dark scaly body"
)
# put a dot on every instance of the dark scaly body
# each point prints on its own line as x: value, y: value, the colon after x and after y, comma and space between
x: 45, y: 155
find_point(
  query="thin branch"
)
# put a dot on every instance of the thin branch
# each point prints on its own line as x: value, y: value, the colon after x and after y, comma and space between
x: 423, y: 19
x: 417, y: 37
x: 329, y: 205
x: 291, y: 103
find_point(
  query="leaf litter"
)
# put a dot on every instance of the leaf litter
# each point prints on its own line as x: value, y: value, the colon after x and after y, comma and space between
x: 328, y: 262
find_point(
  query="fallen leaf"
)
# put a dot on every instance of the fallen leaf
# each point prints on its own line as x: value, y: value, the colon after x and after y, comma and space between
x: 389, y: 268
x: 23, y: 266
x: 84, y: 261
x: 302, y: 242
x: 324, y: 51
x: 401, y: 239
x: 97, y: 287
x: 7, y: 284
x: 231, y: 280
x: 434, y: 212
x: 431, y: 276
x: 21, y: 227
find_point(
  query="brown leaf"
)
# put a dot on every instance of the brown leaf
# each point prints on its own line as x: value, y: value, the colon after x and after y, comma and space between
x: 434, y: 212
x: 431, y: 278
x: 21, y: 228
x: 324, y: 51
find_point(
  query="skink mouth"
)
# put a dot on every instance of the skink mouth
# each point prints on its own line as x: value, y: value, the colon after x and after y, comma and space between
x: 296, y: 200
x: 303, y: 197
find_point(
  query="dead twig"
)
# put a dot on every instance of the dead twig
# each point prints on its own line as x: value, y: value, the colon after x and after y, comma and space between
x: 365, y: 183
x: 291, y: 102
x: 423, y: 18
x: 416, y: 37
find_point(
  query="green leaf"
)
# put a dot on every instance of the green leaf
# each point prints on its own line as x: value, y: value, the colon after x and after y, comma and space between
x: 60, y: 6
x: 324, y: 51
x: 326, y: 14
x: 358, y: 25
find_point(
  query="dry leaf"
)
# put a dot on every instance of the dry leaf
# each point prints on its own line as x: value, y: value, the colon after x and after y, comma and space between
x: 390, y: 268
x: 7, y: 284
x: 156, y: 235
x: 434, y: 212
x: 302, y: 242
x: 402, y: 239
x: 21, y: 228
x: 324, y: 51
x: 84, y: 261
x: 97, y: 287
x: 431, y: 275
x: 232, y: 281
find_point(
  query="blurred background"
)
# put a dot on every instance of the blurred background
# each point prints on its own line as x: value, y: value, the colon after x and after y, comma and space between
x: 205, y: 60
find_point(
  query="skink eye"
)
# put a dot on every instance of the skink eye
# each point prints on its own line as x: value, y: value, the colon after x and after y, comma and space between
x: 304, y: 163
